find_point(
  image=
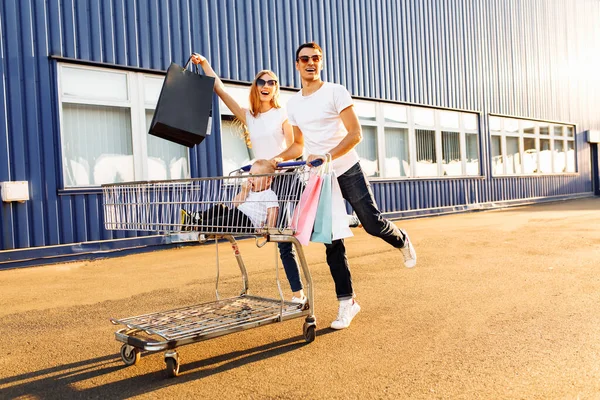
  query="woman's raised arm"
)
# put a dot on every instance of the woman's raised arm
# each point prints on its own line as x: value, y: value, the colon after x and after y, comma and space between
x: 229, y: 101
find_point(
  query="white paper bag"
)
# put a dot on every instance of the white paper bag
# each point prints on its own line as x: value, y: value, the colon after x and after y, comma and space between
x: 340, y: 228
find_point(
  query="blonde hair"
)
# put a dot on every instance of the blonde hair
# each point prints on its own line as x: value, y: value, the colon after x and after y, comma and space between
x: 264, y: 165
x: 255, y: 96
x: 243, y: 131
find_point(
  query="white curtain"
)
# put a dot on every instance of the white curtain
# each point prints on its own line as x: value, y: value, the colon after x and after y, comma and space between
x: 367, y: 151
x: 513, y: 155
x: 560, y: 157
x: 233, y: 147
x: 451, y: 162
x: 97, y: 146
x: 396, y: 152
x: 426, y: 153
x: 570, y: 155
x: 472, y: 147
x: 166, y: 160
x: 529, y: 156
x: 497, y: 162
x: 545, y: 156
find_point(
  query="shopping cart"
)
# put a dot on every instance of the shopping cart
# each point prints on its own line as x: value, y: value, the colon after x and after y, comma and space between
x: 208, y: 206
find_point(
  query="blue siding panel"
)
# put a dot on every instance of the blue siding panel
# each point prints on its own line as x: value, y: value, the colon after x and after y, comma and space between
x: 533, y: 59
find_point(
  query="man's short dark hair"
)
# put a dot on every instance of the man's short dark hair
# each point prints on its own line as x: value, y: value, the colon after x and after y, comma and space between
x: 309, y: 45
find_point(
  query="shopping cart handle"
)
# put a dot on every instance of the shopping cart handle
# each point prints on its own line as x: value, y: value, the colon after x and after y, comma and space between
x: 313, y: 163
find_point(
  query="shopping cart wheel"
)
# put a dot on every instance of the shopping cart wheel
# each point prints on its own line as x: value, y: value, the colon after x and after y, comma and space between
x: 309, y: 332
x: 130, y: 355
x: 172, y: 361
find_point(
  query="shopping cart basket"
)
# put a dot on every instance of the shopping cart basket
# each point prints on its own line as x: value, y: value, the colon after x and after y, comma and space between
x: 210, y: 206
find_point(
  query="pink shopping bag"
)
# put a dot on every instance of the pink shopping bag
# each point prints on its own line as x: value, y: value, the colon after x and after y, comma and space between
x: 303, y: 219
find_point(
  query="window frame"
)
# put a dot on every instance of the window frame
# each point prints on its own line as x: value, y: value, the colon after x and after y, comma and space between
x: 136, y: 103
x: 380, y: 124
x: 563, y: 139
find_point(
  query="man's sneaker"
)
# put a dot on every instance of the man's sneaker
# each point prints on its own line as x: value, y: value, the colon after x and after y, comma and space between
x: 408, y: 251
x: 348, y: 309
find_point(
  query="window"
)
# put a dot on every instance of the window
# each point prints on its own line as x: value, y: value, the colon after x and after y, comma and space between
x: 513, y: 155
x: 399, y: 141
x: 529, y: 156
x: 531, y: 147
x: 451, y: 160
x: 105, y: 115
x: 367, y: 151
x: 234, y: 150
x: 451, y: 152
x: 426, y: 164
x: 497, y: 162
x: 426, y: 142
x: 472, y: 154
x: 397, y: 162
x: 367, y: 148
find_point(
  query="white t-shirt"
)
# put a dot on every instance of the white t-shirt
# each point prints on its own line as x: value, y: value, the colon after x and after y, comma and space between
x: 256, y: 205
x: 318, y: 117
x: 266, y: 133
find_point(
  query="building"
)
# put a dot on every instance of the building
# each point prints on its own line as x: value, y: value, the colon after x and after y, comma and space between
x: 464, y: 104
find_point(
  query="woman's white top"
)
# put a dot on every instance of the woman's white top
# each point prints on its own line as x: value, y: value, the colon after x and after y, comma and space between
x: 266, y: 133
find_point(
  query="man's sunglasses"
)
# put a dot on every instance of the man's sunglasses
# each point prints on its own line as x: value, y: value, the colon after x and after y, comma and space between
x: 315, y: 58
x: 261, y: 82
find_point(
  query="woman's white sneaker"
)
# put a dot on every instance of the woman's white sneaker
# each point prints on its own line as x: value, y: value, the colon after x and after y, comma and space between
x: 408, y: 251
x: 299, y: 300
x: 348, y: 310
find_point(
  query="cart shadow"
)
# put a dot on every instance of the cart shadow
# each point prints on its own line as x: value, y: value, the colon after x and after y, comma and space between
x: 59, y: 381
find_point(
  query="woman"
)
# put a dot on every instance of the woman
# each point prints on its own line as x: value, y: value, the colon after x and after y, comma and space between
x: 270, y: 134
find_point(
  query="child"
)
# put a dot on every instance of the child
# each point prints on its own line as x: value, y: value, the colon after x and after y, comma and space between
x: 256, y: 205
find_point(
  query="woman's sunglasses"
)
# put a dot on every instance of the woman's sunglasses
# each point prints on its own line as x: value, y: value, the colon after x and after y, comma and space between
x: 261, y: 82
x: 315, y: 58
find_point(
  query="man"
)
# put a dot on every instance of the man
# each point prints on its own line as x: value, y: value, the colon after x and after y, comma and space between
x: 325, y: 122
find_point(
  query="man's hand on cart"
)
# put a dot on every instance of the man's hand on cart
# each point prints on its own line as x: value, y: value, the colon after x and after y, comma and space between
x: 310, y: 161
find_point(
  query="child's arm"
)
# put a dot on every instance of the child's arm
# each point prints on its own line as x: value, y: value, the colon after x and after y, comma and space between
x: 242, y: 195
x: 271, y: 221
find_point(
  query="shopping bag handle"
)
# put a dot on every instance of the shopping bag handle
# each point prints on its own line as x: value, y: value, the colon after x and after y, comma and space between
x: 289, y: 164
x: 188, y: 63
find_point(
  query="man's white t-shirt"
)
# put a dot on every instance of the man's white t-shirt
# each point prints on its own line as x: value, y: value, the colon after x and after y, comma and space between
x: 318, y: 117
x: 256, y: 205
x: 266, y: 133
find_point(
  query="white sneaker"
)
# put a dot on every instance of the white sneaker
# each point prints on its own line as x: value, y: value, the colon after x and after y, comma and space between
x: 348, y: 309
x: 408, y: 251
x: 299, y: 300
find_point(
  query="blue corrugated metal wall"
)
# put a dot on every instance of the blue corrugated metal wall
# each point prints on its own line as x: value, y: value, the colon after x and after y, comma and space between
x: 534, y: 59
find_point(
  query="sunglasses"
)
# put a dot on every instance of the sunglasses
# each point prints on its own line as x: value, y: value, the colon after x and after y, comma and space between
x: 261, y: 82
x: 315, y: 58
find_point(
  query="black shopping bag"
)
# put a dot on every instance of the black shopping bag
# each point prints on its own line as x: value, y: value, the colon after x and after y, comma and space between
x: 184, y: 107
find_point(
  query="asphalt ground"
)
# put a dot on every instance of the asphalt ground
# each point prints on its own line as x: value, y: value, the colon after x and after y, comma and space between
x: 502, y: 304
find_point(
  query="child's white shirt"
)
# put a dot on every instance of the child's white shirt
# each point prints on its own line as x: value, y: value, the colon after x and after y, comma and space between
x: 256, y: 205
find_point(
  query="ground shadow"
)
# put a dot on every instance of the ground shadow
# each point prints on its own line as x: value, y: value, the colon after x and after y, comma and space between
x: 57, y: 382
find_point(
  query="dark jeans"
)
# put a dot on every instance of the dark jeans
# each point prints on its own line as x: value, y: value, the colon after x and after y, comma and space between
x: 225, y: 219
x: 288, y: 188
x: 290, y: 265
x: 357, y: 190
